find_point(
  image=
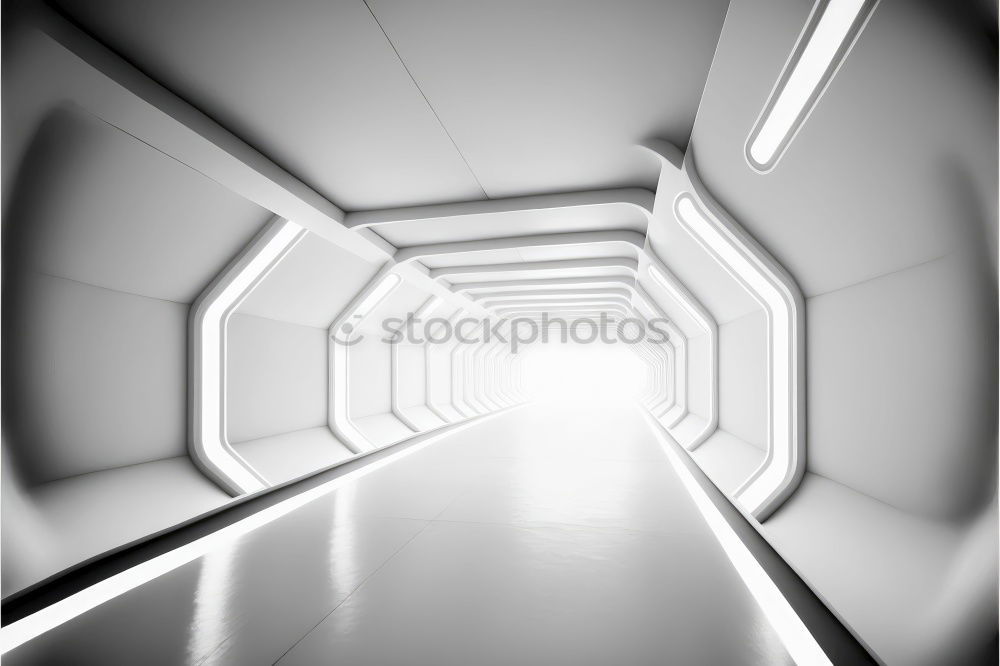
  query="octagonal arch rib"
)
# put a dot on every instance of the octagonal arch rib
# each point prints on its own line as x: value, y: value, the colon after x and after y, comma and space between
x: 610, y: 301
x: 683, y: 197
x: 633, y: 241
x: 562, y: 295
x: 694, y: 431
x: 342, y: 335
x: 610, y: 266
x: 208, y: 442
x: 482, y: 289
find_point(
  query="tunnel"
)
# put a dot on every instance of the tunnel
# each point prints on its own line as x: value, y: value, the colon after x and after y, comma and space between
x: 440, y: 332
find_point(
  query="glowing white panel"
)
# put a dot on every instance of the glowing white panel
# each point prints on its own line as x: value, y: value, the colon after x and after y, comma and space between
x: 210, y: 316
x: 781, y: 301
x: 830, y: 32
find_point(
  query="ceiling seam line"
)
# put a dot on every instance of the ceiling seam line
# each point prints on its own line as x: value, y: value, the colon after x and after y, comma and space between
x: 426, y: 100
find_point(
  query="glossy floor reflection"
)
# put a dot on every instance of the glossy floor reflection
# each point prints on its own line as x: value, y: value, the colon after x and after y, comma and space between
x: 546, y: 535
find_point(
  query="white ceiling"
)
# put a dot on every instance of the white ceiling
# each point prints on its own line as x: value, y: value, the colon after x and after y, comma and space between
x: 506, y: 98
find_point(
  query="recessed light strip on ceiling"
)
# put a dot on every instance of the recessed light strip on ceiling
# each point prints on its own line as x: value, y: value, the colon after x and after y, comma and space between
x: 829, y: 34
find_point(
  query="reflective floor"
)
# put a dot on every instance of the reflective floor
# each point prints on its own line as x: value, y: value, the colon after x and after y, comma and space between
x: 545, y: 535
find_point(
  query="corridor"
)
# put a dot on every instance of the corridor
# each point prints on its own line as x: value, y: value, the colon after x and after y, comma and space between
x: 547, y: 534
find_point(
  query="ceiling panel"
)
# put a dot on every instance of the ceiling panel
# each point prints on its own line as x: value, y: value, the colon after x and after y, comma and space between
x: 312, y: 284
x: 312, y: 84
x: 536, y: 97
x: 553, y: 96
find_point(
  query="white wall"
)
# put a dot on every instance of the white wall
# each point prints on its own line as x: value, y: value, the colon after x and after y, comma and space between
x: 885, y: 214
x: 107, y: 242
x: 743, y: 378
x: 277, y: 377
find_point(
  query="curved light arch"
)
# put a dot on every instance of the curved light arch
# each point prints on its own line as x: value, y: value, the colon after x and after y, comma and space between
x: 774, y: 289
x: 341, y: 332
x: 544, y: 295
x: 208, y: 442
x: 631, y: 239
x: 525, y: 285
x: 559, y: 266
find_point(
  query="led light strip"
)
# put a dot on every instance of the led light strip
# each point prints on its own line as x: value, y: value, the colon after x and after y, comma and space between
x: 50, y: 617
x: 793, y: 633
x: 210, y: 314
x: 830, y: 32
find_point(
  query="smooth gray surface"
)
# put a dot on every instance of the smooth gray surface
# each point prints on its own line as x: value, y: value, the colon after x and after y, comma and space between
x: 312, y: 84
x: 483, y: 548
x: 728, y: 460
x: 290, y: 455
x: 555, y: 97
x: 743, y: 409
x: 537, y: 99
x: 911, y: 358
x: 93, y: 513
x: 277, y: 377
x: 896, y: 164
x: 96, y: 205
x: 311, y: 286
x: 918, y: 591
x: 90, y: 394
x: 368, y: 368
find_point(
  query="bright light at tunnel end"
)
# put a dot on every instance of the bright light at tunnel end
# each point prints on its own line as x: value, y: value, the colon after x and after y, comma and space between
x: 570, y: 373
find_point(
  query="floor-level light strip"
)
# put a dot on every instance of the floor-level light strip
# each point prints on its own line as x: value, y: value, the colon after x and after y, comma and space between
x: 792, y: 632
x: 36, y: 624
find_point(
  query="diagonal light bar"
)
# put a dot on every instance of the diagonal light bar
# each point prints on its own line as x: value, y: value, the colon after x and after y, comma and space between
x: 830, y: 32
